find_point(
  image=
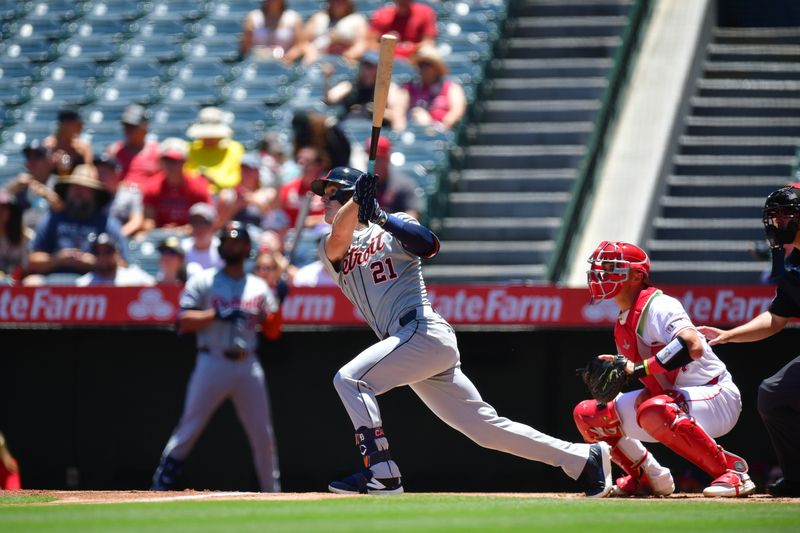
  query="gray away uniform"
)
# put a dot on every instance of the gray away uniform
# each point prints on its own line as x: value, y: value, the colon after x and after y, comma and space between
x: 418, y: 348
x: 216, y: 378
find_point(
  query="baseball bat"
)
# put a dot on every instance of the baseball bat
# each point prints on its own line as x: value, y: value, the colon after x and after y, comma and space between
x: 381, y: 94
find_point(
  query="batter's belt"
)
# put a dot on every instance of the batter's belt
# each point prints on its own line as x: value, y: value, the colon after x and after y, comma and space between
x: 233, y: 355
x: 415, y: 313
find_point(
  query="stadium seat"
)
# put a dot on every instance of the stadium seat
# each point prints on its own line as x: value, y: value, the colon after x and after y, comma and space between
x: 222, y: 47
x: 209, y: 68
x: 69, y: 68
x: 43, y: 28
x: 188, y: 10
x: 33, y: 49
x: 65, y: 91
x: 258, y: 92
x: 199, y: 92
x: 162, y: 50
x: 64, y: 10
x: 99, y: 49
x: 166, y: 28
x: 120, y: 10
x: 14, y: 92
x: 19, y: 70
x: 141, y: 91
x: 139, y: 68
x: 93, y: 26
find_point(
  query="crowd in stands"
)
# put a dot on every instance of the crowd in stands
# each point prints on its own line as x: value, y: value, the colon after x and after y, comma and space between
x: 77, y: 216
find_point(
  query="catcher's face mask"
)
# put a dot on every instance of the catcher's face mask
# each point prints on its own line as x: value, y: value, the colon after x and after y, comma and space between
x: 610, y: 266
x: 781, y: 216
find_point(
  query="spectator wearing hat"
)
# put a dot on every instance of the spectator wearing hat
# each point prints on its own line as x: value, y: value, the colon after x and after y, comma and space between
x: 126, y: 199
x: 336, y: 30
x: 356, y: 96
x: 173, y: 191
x: 414, y: 24
x: 171, y: 262
x: 213, y: 153
x: 107, y: 268
x: 14, y: 238
x: 433, y: 99
x: 33, y: 188
x: 67, y: 149
x: 273, y: 32
x: 396, y: 191
x: 62, y: 238
x: 202, y: 245
x: 138, y: 156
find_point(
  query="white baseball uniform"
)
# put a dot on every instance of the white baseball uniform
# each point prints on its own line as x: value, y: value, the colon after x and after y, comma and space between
x: 710, y: 394
x: 238, y: 376
x: 418, y: 348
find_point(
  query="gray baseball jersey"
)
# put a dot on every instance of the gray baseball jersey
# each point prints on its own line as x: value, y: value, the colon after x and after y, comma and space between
x: 213, y: 288
x: 418, y: 348
x: 379, y: 276
x: 216, y: 378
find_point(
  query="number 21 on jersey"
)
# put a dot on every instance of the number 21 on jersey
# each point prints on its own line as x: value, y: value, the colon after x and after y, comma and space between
x: 382, y: 270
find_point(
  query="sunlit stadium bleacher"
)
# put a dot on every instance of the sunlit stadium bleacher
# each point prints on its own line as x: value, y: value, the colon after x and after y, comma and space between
x: 176, y: 56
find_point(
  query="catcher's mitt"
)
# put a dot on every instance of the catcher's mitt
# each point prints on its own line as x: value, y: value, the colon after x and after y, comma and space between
x: 605, y: 379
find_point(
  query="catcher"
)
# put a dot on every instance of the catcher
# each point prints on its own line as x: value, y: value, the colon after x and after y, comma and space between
x: 689, y: 396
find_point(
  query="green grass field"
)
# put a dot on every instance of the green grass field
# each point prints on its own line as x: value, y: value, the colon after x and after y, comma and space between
x: 408, y: 513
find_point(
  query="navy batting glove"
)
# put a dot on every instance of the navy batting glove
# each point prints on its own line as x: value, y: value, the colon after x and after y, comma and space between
x: 281, y: 290
x: 230, y: 315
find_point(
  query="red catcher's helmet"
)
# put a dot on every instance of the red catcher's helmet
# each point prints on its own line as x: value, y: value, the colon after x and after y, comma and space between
x: 610, y: 266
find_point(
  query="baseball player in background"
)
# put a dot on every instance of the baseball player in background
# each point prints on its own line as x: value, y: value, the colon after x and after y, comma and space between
x: 378, y: 268
x: 225, y: 307
x: 778, y: 395
x: 689, y: 396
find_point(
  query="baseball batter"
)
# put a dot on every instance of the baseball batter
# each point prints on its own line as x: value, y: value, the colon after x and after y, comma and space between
x: 689, y: 396
x: 225, y: 308
x: 378, y: 267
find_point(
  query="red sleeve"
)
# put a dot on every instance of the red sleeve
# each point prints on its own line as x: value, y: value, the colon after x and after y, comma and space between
x: 381, y: 19
x: 429, y: 21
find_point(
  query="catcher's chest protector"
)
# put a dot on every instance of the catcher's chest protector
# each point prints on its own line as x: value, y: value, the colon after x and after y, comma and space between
x: 631, y: 346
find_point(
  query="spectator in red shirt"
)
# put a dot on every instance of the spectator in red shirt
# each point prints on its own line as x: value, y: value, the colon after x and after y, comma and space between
x: 173, y: 192
x: 137, y: 156
x: 292, y: 194
x: 9, y: 469
x: 414, y: 23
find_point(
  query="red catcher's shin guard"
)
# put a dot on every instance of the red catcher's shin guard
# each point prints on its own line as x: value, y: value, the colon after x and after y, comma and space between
x: 661, y: 417
x: 601, y: 423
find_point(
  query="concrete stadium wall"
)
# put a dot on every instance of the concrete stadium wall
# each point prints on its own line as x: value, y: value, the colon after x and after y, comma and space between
x: 92, y: 409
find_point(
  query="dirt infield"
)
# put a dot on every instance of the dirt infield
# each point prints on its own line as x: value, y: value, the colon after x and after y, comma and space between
x: 140, y: 496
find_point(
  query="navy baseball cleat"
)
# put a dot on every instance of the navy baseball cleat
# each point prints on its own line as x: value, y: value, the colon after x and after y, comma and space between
x: 365, y: 483
x: 596, y: 475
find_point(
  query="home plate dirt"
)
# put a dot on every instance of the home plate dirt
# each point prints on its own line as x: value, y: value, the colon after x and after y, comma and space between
x: 140, y: 496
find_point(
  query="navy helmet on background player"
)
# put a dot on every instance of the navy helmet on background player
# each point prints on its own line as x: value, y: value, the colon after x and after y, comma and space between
x: 610, y: 266
x: 234, y: 230
x: 781, y: 216
x: 344, y: 176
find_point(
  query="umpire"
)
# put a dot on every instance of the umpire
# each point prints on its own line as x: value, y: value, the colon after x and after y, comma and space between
x: 778, y: 395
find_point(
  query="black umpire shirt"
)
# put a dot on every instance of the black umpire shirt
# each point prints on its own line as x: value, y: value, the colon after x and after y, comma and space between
x: 787, y: 297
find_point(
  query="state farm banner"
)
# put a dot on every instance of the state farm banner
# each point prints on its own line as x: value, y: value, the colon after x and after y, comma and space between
x: 481, y: 305
x: 88, y: 305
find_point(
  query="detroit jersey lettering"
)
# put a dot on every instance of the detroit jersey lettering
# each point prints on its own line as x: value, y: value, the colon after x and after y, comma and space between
x: 379, y: 276
x: 214, y: 288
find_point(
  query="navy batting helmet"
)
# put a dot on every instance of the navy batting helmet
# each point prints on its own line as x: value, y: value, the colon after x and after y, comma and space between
x: 781, y: 216
x: 344, y: 176
x: 234, y: 230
